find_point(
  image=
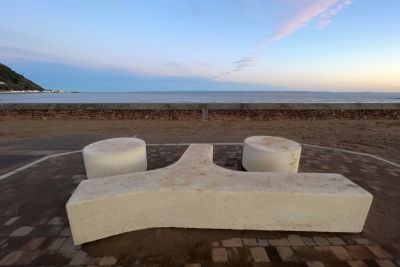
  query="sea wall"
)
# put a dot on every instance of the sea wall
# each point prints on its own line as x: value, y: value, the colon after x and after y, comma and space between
x: 202, y: 112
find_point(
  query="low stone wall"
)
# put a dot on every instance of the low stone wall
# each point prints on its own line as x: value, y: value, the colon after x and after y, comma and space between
x: 302, y: 115
x: 198, y: 112
x: 100, y: 114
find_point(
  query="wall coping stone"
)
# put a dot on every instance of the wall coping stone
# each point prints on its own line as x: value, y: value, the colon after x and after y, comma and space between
x: 201, y: 106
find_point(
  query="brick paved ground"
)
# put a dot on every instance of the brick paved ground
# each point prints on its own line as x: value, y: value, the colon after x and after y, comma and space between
x: 34, y: 227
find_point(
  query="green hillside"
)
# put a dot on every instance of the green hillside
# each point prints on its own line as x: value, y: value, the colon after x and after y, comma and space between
x: 12, y: 81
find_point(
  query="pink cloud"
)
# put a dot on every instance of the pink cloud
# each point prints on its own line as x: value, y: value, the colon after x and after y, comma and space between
x: 325, y: 22
x: 306, y: 11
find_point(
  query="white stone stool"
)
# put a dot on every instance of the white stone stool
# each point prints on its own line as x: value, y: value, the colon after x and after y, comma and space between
x: 114, y: 157
x: 270, y: 154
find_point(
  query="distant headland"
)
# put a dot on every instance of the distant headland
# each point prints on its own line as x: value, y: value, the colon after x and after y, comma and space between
x: 12, y: 82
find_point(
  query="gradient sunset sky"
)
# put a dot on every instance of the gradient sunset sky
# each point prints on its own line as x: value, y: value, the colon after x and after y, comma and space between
x: 121, y: 45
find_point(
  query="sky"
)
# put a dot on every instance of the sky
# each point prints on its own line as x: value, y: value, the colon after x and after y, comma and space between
x: 156, y: 45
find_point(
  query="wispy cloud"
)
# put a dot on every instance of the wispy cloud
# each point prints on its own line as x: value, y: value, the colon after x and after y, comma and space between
x: 303, y: 16
x: 241, y: 64
x: 244, y: 63
x: 305, y: 11
x: 325, y: 17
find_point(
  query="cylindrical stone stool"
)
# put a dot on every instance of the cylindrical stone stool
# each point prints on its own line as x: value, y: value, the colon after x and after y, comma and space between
x: 114, y: 157
x: 270, y: 154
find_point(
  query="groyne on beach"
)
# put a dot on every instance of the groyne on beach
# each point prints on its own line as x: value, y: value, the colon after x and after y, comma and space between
x: 202, y: 111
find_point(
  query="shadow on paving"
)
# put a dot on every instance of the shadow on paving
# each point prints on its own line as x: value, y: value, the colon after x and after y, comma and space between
x: 34, y: 228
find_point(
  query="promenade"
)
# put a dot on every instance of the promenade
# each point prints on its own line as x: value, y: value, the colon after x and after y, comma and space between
x: 34, y: 228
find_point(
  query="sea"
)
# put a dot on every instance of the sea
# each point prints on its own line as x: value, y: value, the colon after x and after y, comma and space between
x: 202, y: 97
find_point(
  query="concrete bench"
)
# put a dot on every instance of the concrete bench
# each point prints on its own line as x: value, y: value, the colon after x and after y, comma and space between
x: 270, y: 154
x: 115, y: 156
x: 196, y: 193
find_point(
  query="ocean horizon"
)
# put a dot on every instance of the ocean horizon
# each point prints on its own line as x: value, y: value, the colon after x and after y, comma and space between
x: 203, y: 97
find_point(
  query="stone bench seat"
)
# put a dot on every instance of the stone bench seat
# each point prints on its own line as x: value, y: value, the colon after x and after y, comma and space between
x: 270, y: 154
x: 196, y: 193
x: 114, y: 156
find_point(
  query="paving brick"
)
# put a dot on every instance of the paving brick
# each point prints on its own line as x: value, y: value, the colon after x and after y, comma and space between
x: 199, y: 255
x: 34, y: 243
x: 69, y: 244
x: 357, y: 264
x: 286, y: 253
x: 11, y: 258
x: 219, y: 255
x: 215, y: 244
x: 61, y: 257
x: 360, y: 252
x: 315, y: 264
x: 262, y: 242
x: 296, y: 241
x: 341, y: 253
x: 22, y: 231
x: 362, y: 241
x: 79, y: 258
x: 3, y: 241
x: 259, y: 254
x: 379, y: 252
x: 304, y: 254
x: 65, y: 232
x: 249, y: 242
x: 57, y: 221
x: 321, y: 241
x: 41, y: 221
x: 56, y: 243
x: 192, y: 265
x: 398, y: 262
x: 245, y: 254
x: 33, y: 258
x: 108, y: 261
x: 336, y: 241
x: 371, y: 263
x: 309, y: 241
x: 77, y: 176
x: 91, y: 261
x: 273, y: 254
x: 47, y: 230
x: 391, y: 250
x: 233, y: 254
x: 49, y: 212
x: 325, y: 253
x: 385, y: 263
x: 11, y: 221
x: 336, y: 264
x: 233, y: 242
x: 283, y: 242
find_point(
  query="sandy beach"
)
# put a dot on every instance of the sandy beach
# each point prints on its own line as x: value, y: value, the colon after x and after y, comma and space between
x: 380, y: 138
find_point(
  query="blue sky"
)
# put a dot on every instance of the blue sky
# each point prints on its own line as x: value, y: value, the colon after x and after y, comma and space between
x: 121, y: 45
